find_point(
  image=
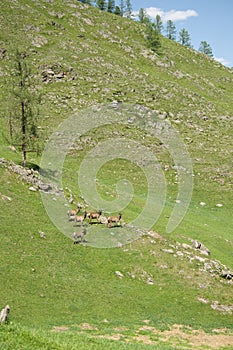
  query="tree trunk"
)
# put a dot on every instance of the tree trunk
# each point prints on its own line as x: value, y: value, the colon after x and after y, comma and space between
x: 24, y: 150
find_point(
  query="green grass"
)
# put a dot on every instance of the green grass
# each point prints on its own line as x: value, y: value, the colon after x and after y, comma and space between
x: 51, y: 282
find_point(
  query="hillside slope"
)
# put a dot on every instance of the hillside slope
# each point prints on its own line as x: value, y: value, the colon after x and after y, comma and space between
x: 81, y: 57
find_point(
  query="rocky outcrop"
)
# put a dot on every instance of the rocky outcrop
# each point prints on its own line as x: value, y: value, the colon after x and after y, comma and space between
x: 31, y: 176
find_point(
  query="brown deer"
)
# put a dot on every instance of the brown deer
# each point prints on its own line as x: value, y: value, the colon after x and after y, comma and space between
x: 80, y: 218
x: 72, y: 212
x: 94, y: 215
x: 79, y: 235
x: 114, y: 219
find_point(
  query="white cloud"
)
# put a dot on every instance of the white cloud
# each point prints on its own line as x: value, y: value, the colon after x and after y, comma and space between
x: 223, y: 61
x: 173, y: 15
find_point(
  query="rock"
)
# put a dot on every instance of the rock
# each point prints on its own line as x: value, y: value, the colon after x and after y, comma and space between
x: 199, y: 258
x: 170, y: 251
x: 42, y: 234
x: 202, y: 204
x: 3, y: 161
x: 12, y: 148
x: 119, y: 274
x: 103, y: 219
x: 6, y: 198
x: 4, y: 314
x: 150, y: 281
x: 2, y: 52
x: 201, y: 247
x: 186, y: 246
x: 33, y: 189
x: 45, y: 187
x: 227, y: 274
x: 219, y: 205
x: 222, y: 308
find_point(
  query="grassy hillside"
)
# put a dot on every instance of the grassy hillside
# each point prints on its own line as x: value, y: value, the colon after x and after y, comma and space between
x: 156, y: 291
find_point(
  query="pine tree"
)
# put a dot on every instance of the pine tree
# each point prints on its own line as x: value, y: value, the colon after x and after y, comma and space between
x: 153, y: 38
x: 142, y: 15
x: 118, y: 11
x: 158, y: 24
x: 184, y: 38
x: 206, y: 49
x: 101, y: 4
x: 111, y: 6
x: 122, y: 7
x: 128, y: 8
x: 25, y: 102
x: 171, y: 30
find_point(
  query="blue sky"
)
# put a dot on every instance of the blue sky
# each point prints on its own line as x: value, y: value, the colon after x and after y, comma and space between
x: 209, y: 20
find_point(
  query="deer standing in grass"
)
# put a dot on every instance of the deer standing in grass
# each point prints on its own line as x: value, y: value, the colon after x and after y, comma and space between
x: 79, y: 235
x: 115, y: 219
x: 94, y: 215
x: 72, y: 212
x: 80, y: 218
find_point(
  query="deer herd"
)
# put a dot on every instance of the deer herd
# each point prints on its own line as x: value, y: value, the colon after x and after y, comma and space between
x: 93, y: 217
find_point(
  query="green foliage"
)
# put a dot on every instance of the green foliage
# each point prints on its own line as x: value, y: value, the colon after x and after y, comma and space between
x: 142, y: 15
x: 206, y: 49
x: 101, y: 4
x: 184, y: 38
x: 24, y: 110
x: 128, y: 8
x: 158, y: 24
x: 111, y: 6
x: 153, y: 38
x: 118, y: 11
x: 171, y: 30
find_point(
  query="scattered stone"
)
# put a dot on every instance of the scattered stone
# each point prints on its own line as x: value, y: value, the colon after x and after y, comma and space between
x: 170, y: 251
x: 119, y: 274
x: 219, y: 205
x: 186, y: 246
x: 4, y: 314
x: 203, y: 300
x: 228, y: 275
x: 199, y: 258
x: 4, y: 197
x: 103, y: 219
x: 3, y: 161
x: 150, y: 281
x: 201, y: 247
x: 33, y: 189
x: 12, y: 148
x: 45, y: 187
x: 42, y: 234
x: 202, y: 204
x: 222, y: 308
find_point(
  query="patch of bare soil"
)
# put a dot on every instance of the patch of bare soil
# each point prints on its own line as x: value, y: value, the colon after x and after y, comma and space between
x: 87, y: 326
x: 60, y: 329
x: 195, y: 338
x: 178, y: 336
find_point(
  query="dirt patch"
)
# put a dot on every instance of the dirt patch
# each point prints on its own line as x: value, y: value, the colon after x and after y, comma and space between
x: 60, y: 329
x: 87, y: 326
x: 179, y: 334
x: 116, y: 336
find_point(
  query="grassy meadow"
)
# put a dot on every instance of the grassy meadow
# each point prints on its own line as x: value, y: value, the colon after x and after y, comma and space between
x: 155, y: 292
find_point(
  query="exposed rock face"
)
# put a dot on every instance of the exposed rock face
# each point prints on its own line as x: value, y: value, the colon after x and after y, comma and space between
x: 31, y: 176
